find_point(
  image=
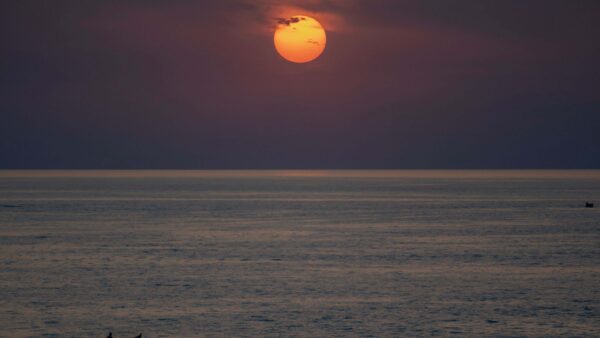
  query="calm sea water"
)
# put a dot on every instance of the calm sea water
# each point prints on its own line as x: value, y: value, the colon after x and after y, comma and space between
x: 299, y: 253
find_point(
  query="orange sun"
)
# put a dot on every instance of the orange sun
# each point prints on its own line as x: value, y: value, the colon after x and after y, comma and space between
x: 300, y: 39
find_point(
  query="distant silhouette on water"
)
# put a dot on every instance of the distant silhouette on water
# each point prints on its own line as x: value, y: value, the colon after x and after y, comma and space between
x: 111, y: 336
x: 589, y: 205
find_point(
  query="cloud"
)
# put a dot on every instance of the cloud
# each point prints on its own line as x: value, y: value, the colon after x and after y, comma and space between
x: 287, y: 22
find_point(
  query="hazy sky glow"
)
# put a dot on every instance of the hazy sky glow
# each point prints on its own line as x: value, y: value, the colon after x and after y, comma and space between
x: 198, y: 84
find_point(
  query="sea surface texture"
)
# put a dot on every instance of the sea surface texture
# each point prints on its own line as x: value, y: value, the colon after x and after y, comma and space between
x: 299, y: 253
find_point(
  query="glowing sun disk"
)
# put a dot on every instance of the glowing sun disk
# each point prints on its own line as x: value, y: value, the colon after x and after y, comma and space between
x: 300, y: 39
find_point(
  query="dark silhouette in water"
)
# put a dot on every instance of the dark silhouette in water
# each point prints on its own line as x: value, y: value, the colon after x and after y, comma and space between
x: 589, y: 205
x: 111, y: 336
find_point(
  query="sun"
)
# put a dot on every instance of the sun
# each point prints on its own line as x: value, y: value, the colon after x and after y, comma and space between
x: 300, y: 39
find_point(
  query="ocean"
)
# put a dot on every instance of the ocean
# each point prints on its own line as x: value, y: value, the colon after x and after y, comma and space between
x: 305, y: 253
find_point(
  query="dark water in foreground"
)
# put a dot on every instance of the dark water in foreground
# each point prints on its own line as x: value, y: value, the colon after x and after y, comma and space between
x: 299, y: 253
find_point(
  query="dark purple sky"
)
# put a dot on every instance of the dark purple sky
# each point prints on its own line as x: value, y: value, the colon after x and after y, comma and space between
x: 198, y: 84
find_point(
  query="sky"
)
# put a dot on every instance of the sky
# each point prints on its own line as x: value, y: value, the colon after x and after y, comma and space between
x: 184, y: 84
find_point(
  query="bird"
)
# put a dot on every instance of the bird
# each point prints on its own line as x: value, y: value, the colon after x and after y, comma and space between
x: 138, y: 336
x: 589, y: 205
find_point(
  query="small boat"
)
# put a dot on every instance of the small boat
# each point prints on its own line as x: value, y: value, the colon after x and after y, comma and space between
x: 589, y: 205
x: 111, y: 336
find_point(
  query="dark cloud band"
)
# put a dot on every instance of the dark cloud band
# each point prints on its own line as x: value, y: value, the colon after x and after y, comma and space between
x: 287, y: 22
